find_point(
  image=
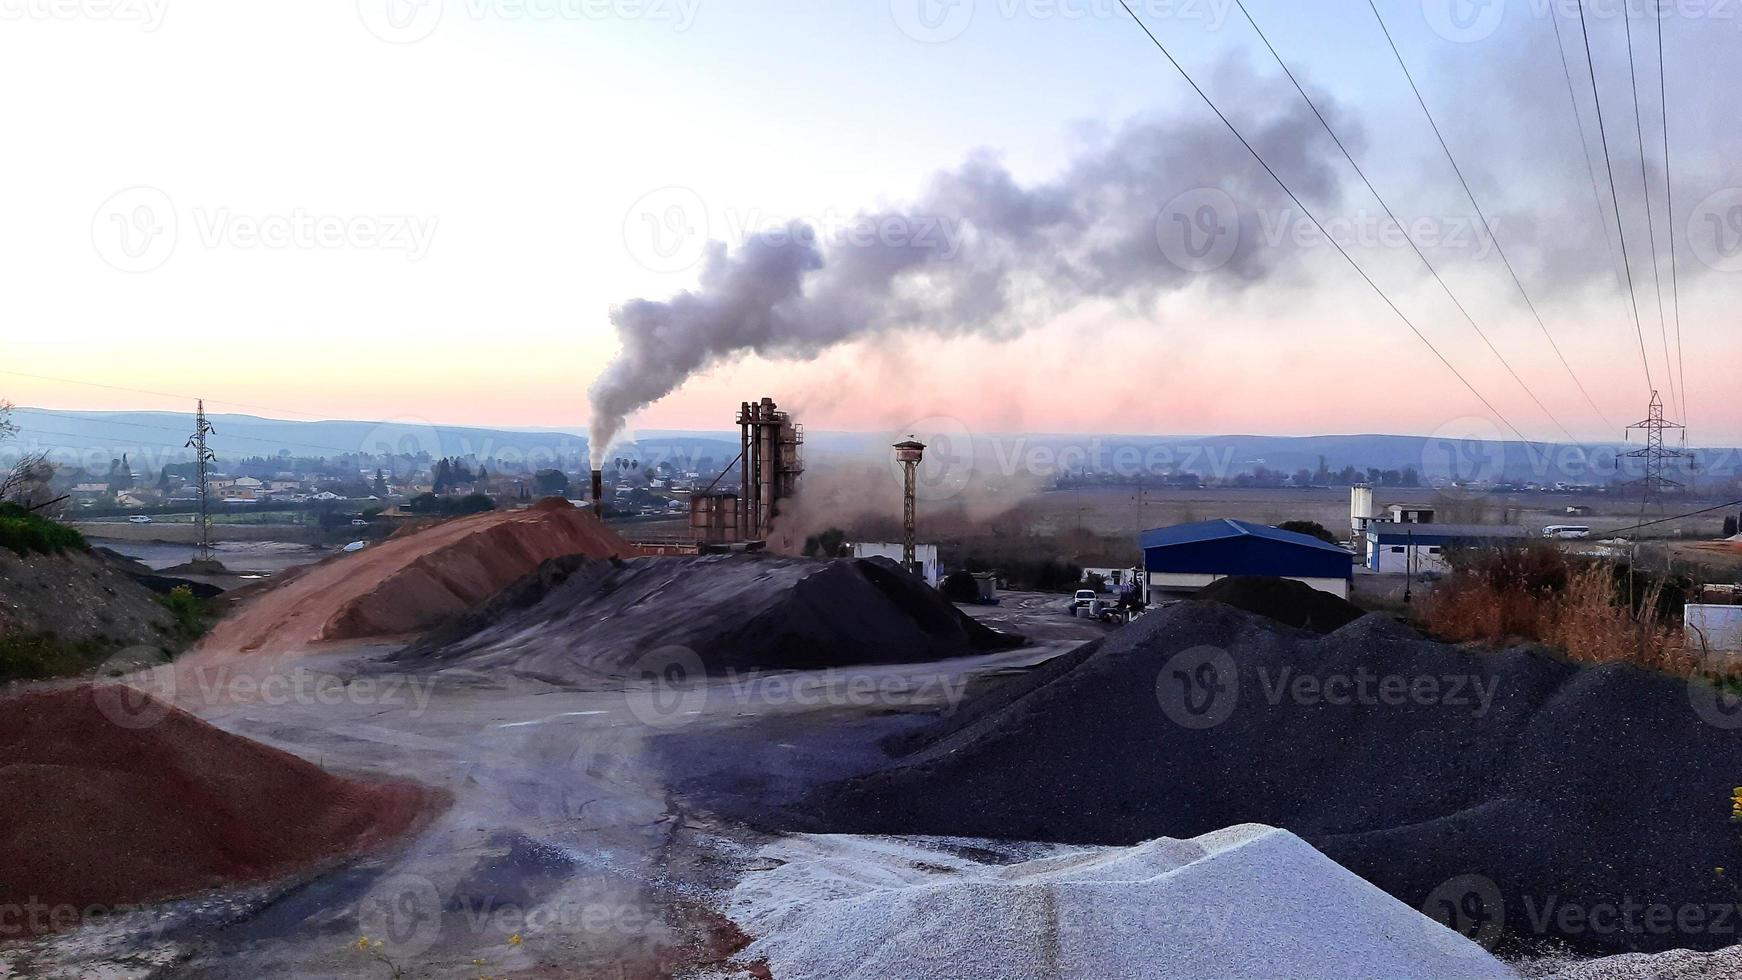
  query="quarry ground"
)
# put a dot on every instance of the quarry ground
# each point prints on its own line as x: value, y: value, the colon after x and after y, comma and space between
x: 568, y: 828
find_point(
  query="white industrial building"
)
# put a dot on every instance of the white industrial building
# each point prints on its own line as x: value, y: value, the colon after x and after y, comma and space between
x: 1714, y: 625
x: 1398, y: 548
x: 925, y: 554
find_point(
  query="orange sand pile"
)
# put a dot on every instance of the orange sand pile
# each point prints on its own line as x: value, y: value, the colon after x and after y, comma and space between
x: 412, y: 582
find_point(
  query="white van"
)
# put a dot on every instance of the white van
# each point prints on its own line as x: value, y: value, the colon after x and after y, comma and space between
x: 139, y: 519
x: 1566, y: 532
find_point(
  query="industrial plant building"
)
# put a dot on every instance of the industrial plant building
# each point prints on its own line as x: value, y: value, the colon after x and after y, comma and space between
x: 1421, y: 548
x: 1189, y: 557
x: 925, y: 557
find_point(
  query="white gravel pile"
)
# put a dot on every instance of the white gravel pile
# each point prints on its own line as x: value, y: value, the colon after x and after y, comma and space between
x: 1250, y: 901
x: 1680, y: 964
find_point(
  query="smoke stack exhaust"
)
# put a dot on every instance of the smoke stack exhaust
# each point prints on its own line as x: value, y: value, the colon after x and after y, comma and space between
x: 598, y: 491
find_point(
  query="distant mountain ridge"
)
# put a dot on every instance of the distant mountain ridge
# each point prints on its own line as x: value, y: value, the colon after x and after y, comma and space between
x: 160, y: 437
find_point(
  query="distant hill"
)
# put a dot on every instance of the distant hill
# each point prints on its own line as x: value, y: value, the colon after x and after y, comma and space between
x: 160, y: 437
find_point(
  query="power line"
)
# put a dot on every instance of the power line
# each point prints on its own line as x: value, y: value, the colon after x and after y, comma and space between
x: 1645, y: 189
x: 1615, y: 196
x: 1669, y: 201
x: 1489, y: 228
x: 1585, y: 149
x: 1392, y: 215
x: 1678, y: 517
x: 1394, y: 219
x: 1314, y: 219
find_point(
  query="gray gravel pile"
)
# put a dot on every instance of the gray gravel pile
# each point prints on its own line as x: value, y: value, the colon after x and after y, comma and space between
x: 579, y: 619
x: 1679, y: 964
x: 1519, y: 796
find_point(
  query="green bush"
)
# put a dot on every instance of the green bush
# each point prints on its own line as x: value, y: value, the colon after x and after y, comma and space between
x: 1311, y: 529
x: 43, y: 655
x: 24, y: 533
x: 190, y: 614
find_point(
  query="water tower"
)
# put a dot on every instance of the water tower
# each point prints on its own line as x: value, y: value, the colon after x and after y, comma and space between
x: 908, y: 454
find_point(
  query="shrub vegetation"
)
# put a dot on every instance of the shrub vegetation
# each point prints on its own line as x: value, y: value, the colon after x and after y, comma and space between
x: 26, y: 533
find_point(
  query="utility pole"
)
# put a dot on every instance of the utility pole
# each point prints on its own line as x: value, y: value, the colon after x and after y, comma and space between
x: 1409, y: 566
x: 203, y: 457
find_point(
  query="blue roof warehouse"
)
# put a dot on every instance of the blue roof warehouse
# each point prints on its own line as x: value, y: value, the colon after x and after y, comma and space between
x: 1189, y: 557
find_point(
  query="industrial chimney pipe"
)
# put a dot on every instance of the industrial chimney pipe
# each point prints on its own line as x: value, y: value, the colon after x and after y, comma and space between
x: 909, y: 454
x: 599, y: 492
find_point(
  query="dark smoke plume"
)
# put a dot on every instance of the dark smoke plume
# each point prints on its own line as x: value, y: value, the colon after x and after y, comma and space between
x: 979, y: 253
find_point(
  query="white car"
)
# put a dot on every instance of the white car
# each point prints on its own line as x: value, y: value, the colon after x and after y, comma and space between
x: 139, y: 519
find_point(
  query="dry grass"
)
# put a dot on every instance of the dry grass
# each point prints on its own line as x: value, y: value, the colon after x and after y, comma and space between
x: 1536, y: 594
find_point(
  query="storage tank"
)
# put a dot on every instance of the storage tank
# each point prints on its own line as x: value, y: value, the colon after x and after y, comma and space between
x: 1360, y: 515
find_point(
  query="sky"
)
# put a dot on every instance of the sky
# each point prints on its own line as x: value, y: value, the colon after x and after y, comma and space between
x: 440, y: 210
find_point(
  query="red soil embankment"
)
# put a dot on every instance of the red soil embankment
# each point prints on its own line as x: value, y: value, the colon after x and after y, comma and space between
x: 95, y: 816
x: 412, y: 582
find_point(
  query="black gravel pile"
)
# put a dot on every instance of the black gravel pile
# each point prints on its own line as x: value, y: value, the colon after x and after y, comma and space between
x: 580, y: 619
x: 1521, y: 797
x: 1288, y: 602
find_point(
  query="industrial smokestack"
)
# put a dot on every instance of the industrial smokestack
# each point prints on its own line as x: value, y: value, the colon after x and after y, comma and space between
x: 598, y: 491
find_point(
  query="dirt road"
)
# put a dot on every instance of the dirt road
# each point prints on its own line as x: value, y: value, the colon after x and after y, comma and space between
x: 571, y: 847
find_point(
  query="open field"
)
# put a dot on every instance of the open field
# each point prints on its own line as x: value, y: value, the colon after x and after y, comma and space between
x: 180, y: 533
x: 1118, y: 510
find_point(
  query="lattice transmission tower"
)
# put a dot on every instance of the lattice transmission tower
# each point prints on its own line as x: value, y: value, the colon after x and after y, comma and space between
x: 203, y: 457
x: 1659, y: 457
